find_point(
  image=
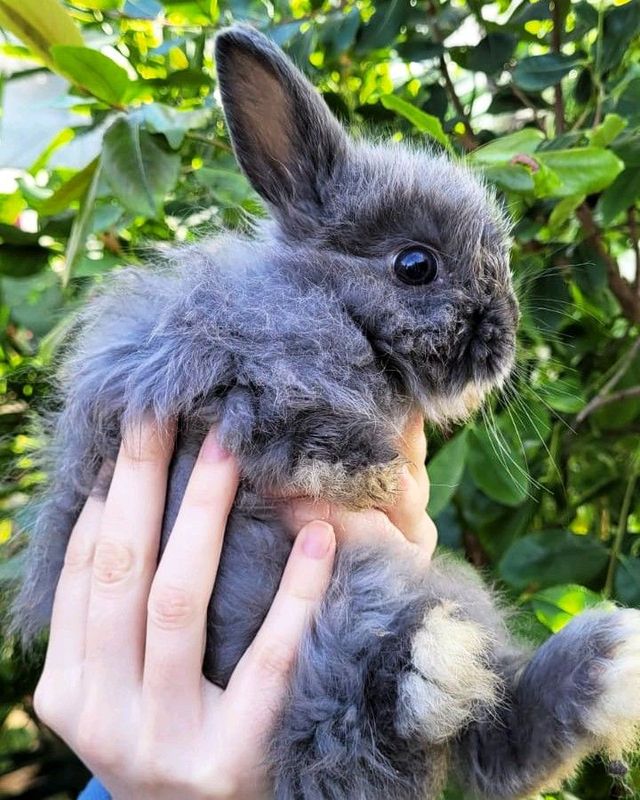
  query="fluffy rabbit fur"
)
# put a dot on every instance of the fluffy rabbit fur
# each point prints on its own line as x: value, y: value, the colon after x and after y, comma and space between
x: 309, y: 353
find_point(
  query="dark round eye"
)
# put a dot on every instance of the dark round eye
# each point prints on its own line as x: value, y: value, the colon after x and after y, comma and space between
x: 416, y: 266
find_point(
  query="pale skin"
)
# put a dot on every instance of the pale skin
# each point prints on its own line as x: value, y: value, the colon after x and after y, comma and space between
x: 122, y: 682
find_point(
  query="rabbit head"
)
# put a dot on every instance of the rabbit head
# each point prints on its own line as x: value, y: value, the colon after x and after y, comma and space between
x: 413, y: 246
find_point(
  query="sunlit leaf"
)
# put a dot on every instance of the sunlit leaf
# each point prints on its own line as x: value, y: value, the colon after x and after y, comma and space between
x: 503, y: 149
x: 557, y: 606
x: 93, y: 71
x: 582, y: 170
x: 423, y: 122
x: 40, y: 24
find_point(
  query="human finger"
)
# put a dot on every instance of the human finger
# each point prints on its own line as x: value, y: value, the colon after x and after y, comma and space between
x: 257, y: 686
x: 182, y: 586
x: 125, y: 556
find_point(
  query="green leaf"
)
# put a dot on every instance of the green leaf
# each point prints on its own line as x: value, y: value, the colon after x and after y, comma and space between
x: 139, y: 171
x: 74, y: 189
x: 564, y: 211
x: 229, y: 187
x: 173, y: 124
x: 419, y: 48
x: 40, y: 24
x: 93, y: 71
x: 491, y: 53
x: 425, y: 123
x: 81, y: 225
x: 627, y: 581
x: 340, y: 32
x: 620, y: 25
x: 36, y: 302
x: 621, y: 195
x: 384, y: 25
x: 445, y: 471
x: 497, y: 466
x: 59, y: 140
x: 557, y: 606
x: 553, y: 557
x: 502, y: 150
x: 545, y: 180
x: 565, y: 395
x: 535, y: 73
x: 606, y: 132
x: 510, y: 177
x: 582, y: 170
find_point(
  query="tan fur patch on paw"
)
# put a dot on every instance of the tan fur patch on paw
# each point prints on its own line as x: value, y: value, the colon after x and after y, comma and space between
x: 450, y: 683
x: 615, y: 720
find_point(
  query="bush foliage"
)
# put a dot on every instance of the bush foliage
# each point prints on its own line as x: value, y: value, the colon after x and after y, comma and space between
x: 543, y: 98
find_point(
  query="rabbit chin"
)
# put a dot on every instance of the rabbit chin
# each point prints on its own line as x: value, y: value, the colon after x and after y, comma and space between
x: 443, y: 410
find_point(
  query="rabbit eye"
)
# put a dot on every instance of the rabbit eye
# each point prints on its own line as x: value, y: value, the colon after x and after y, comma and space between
x: 416, y: 266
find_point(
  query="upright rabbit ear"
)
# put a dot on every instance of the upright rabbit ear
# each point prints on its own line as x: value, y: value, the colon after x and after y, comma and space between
x: 285, y: 138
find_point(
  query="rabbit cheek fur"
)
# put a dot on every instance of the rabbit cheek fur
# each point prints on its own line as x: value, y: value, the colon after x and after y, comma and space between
x: 308, y: 350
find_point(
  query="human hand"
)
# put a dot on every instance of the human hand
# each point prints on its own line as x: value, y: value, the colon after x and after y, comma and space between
x: 405, y: 522
x: 122, y: 682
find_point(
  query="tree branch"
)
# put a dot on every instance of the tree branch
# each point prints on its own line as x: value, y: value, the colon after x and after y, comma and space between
x: 600, y: 401
x: 633, y: 233
x: 468, y: 139
x: 629, y: 300
x: 556, y: 41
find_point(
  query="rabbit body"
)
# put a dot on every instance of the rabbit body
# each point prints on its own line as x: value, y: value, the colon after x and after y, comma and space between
x: 380, y: 286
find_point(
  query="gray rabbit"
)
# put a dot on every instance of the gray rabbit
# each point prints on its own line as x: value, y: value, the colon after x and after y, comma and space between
x: 380, y: 286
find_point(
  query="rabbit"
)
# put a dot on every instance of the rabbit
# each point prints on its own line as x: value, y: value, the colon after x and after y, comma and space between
x: 379, y: 286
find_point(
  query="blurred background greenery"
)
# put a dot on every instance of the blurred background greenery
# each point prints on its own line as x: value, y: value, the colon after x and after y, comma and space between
x: 112, y: 138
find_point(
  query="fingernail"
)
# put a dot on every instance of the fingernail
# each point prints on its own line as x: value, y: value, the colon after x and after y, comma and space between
x: 316, y: 539
x: 211, y: 449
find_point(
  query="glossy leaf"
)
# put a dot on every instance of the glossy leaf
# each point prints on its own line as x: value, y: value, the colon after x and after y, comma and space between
x: 557, y: 606
x: 553, y: 557
x: 538, y: 72
x: 81, y: 224
x: 74, y: 189
x: 582, y: 170
x: 423, y: 122
x: 93, y: 71
x: 627, y: 581
x: 174, y: 124
x: 497, y: 467
x: 40, y: 24
x: 606, y: 132
x: 445, y: 471
x: 502, y: 150
x: 139, y: 171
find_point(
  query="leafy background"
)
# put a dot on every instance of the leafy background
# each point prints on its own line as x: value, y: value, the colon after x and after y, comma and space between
x: 112, y: 138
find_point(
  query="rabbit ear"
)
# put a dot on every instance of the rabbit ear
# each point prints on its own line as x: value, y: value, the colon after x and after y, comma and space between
x: 285, y: 138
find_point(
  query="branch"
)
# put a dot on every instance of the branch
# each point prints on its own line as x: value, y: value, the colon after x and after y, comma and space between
x: 633, y: 233
x: 604, y: 400
x: 468, y: 139
x: 629, y: 300
x: 556, y: 41
x: 219, y: 143
x: 621, y: 531
x: 522, y: 97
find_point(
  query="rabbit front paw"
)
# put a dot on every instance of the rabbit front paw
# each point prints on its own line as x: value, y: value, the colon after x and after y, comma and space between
x: 449, y: 681
x: 614, y: 718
